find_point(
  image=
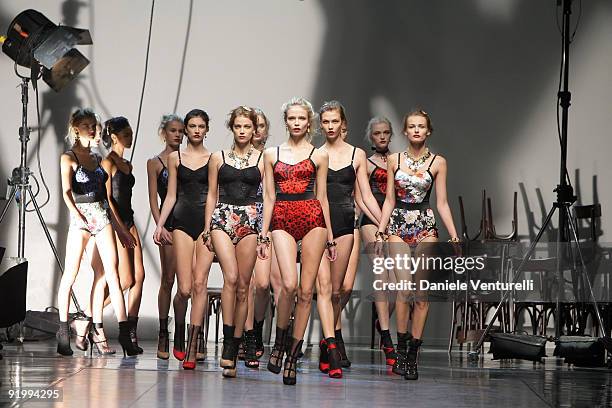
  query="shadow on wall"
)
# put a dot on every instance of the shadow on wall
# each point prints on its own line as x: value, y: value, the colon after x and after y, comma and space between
x: 474, y: 73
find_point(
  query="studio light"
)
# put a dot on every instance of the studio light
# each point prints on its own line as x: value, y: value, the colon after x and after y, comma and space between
x: 34, y: 42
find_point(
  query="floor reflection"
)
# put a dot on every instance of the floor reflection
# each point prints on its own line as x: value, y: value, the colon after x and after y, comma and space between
x: 445, y: 381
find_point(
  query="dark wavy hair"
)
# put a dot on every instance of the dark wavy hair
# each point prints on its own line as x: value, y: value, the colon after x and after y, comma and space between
x: 113, y: 126
x: 196, y: 113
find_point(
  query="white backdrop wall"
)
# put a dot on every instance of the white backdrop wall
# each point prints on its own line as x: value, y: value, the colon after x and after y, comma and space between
x: 486, y: 71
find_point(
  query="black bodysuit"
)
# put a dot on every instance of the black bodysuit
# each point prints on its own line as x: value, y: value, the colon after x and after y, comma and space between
x: 191, y: 191
x: 162, y: 191
x: 340, y: 188
x: 122, y: 185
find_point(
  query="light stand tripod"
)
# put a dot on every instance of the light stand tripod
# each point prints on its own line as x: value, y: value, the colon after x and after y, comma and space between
x: 21, y: 189
x: 565, y: 199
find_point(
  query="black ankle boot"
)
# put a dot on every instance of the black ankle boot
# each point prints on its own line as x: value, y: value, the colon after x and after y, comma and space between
x: 344, y: 361
x: 63, y: 339
x: 133, y: 330
x: 178, y: 349
x: 400, y: 365
x: 258, y: 330
x: 241, y: 348
x: 125, y: 340
x: 323, y: 357
x: 335, y: 364
x: 275, y: 363
x: 386, y: 345
x: 290, y: 369
x: 412, y: 372
x: 250, y: 349
x: 227, y: 355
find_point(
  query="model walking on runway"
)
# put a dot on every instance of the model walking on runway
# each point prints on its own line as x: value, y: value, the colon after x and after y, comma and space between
x: 171, y: 131
x: 407, y: 218
x: 347, y: 167
x: 294, y: 212
x: 186, y: 199
x: 230, y: 225
x: 379, y: 133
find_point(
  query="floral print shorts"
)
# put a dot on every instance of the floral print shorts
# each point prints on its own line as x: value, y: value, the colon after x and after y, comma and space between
x: 259, y: 216
x: 96, y: 214
x: 412, y: 226
x: 237, y: 221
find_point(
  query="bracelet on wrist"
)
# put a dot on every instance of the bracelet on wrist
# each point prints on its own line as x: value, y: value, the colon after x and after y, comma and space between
x: 330, y: 244
x: 205, y: 236
x: 454, y: 240
x: 261, y: 239
x: 381, y: 235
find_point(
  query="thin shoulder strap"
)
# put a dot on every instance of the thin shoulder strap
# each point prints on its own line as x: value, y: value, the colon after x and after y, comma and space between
x: 431, y: 162
x: 161, y: 161
x: 371, y: 161
x: 75, y: 157
x: 223, y: 156
x: 259, y: 158
x: 277, y: 153
x: 311, y: 152
x: 399, y: 162
x: 179, y: 153
x: 353, y: 156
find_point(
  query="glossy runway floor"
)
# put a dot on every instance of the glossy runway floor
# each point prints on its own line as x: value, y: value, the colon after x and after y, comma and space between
x: 146, y: 381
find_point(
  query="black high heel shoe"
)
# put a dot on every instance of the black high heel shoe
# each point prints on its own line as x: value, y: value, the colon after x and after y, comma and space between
x: 192, y: 346
x: 63, y: 339
x: 99, y: 341
x: 275, y: 363
x: 290, y: 368
x: 201, y: 353
x: 81, y: 340
x: 125, y: 340
x: 133, y: 333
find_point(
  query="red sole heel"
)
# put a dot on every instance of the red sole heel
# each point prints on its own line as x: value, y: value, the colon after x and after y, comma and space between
x: 324, y: 367
x: 336, y: 373
x: 179, y: 355
x: 189, y: 365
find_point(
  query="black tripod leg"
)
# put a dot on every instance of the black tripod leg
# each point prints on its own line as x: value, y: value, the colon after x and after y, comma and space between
x: 10, y: 200
x: 515, y: 277
x: 585, y: 274
x: 53, y: 248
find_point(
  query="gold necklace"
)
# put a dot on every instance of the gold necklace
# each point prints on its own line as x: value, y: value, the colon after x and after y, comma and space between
x: 241, y: 162
x: 415, y: 163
